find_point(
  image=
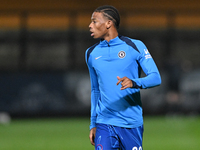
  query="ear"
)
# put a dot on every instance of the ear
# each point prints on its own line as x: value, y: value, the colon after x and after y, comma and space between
x: 109, y: 23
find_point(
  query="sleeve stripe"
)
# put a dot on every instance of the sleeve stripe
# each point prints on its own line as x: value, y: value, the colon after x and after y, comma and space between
x: 90, y: 50
x: 129, y: 42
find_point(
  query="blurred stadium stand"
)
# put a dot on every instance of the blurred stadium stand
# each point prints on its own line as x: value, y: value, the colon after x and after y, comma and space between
x: 42, y: 50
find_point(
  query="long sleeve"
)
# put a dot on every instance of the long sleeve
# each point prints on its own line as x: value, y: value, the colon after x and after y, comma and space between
x: 149, y: 67
x: 94, y: 93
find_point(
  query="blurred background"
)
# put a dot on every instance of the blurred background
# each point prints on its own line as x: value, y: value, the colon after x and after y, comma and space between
x: 44, y: 80
x: 42, y: 54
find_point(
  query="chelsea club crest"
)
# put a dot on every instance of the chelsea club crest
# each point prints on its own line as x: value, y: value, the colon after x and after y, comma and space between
x: 121, y: 54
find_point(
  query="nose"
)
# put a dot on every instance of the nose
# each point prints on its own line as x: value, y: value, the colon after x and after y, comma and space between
x: 90, y: 25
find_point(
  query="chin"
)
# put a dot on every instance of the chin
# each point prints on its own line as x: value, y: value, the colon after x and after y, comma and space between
x: 95, y: 37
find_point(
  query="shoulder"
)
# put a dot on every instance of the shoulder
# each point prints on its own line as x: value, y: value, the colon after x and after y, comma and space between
x: 138, y: 45
x: 89, y: 50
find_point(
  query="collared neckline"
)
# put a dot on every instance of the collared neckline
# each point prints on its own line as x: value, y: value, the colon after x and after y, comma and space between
x: 114, y: 41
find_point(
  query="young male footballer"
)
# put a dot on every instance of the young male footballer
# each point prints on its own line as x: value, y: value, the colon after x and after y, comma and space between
x: 114, y: 64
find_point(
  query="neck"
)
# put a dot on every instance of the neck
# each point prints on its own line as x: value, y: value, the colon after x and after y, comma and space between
x: 112, y: 33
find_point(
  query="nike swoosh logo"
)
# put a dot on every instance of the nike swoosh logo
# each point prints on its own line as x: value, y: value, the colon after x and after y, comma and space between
x: 98, y: 57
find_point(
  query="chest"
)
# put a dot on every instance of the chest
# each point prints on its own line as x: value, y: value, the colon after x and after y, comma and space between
x: 116, y: 58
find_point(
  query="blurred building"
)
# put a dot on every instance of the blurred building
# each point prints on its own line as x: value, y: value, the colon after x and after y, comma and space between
x: 42, y: 50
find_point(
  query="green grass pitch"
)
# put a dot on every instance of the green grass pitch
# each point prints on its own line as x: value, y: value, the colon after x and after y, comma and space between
x: 160, y: 133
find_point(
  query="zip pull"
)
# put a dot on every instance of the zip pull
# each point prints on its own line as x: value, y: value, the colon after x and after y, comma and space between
x: 109, y: 51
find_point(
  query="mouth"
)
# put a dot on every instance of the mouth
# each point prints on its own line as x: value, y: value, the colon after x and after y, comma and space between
x: 92, y: 33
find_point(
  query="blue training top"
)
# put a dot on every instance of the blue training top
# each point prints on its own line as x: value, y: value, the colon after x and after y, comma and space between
x: 121, y: 57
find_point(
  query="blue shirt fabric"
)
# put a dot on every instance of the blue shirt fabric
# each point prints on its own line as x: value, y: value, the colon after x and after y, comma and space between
x: 121, y: 56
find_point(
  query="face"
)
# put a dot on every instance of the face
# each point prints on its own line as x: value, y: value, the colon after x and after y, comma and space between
x: 99, y: 25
